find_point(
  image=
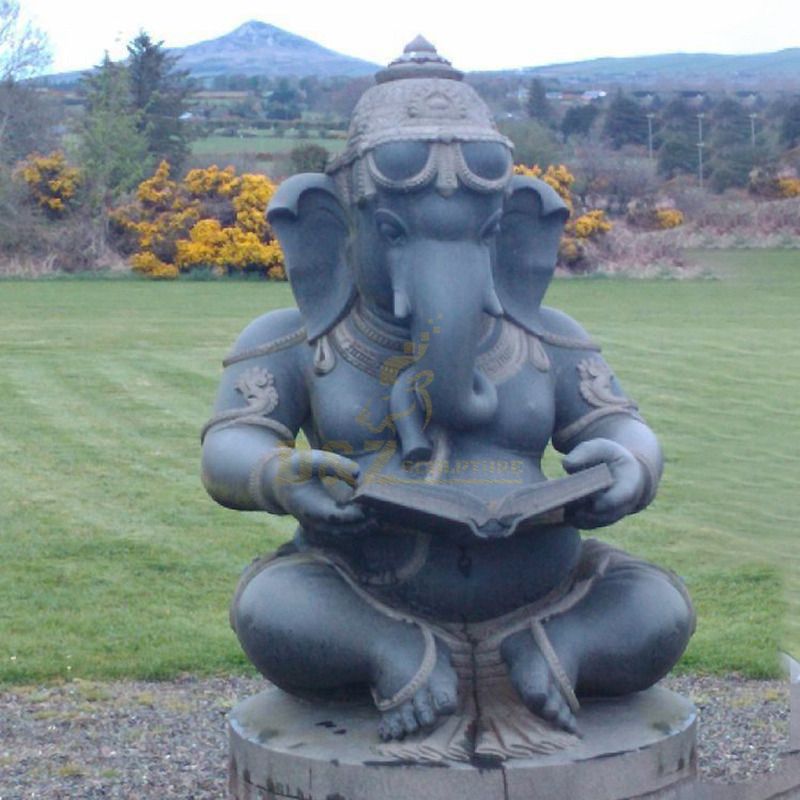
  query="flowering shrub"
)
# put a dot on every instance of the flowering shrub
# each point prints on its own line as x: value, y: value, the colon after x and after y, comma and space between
x: 788, y: 187
x: 151, y: 265
x: 645, y: 214
x: 213, y: 218
x: 210, y: 182
x: 590, y: 224
x: 667, y: 218
x: 774, y: 185
x: 51, y: 182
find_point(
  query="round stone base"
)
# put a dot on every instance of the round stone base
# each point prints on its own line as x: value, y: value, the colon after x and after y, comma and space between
x: 282, y: 747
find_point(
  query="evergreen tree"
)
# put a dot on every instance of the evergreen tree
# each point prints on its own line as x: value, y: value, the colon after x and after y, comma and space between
x: 626, y: 122
x: 730, y: 124
x: 538, y: 106
x: 733, y: 153
x: 677, y: 138
x: 113, y: 150
x: 790, y: 124
x: 283, y: 102
x: 578, y: 120
x: 159, y: 92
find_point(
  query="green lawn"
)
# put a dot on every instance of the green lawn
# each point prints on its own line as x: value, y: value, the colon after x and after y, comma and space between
x: 233, y: 145
x: 113, y: 561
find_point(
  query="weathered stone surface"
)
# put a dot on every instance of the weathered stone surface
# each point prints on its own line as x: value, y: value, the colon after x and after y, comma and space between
x: 793, y: 667
x: 281, y: 747
x: 430, y: 379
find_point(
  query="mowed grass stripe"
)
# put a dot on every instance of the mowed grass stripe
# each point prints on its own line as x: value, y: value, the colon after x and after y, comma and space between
x: 717, y: 382
x: 120, y: 565
x: 90, y: 535
x: 96, y: 431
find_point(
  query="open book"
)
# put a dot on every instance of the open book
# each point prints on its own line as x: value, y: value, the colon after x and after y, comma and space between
x: 433, y: 507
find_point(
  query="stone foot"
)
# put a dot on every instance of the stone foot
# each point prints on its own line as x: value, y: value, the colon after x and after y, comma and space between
x: 415, y: 685
x: 538, y: 683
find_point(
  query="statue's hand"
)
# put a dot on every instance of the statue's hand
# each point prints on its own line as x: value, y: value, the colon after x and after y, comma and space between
x: 624, y: 494
x: 314, y: 486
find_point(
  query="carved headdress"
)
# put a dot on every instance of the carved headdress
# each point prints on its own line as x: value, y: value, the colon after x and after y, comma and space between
x: 419, y: 97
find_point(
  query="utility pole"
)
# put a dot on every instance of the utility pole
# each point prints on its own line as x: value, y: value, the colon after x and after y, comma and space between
x: 700, y: 146
x: 753, y: 118
x: 650, y: 135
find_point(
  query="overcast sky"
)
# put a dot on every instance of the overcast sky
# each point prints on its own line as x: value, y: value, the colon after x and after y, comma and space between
x: 503, y: 34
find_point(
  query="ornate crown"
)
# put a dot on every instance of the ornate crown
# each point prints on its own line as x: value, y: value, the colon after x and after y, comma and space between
x: 418, y: 97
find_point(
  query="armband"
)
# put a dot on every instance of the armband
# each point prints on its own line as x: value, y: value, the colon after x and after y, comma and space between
x: 257, y: 386
x: 256, y: 482
x: 652, y: 476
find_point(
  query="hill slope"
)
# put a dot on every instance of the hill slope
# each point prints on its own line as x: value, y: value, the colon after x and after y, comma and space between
x: 257, y: 48
x: 690, y: 70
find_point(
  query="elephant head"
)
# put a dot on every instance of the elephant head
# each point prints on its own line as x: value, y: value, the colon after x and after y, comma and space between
x: 421, y: 218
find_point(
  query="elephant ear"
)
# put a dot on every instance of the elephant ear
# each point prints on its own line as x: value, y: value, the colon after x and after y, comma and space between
x: 527, y: 247
x: 312, y: 226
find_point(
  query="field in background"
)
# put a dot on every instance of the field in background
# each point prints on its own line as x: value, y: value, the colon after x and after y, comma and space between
x: 115, y: 562
x: 254, y: 145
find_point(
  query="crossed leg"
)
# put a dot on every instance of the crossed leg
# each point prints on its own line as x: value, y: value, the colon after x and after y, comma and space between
x: 307, y: 630
x: 623, y: 636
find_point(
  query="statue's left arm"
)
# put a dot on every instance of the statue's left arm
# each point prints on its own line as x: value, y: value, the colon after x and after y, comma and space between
x: 596, y: 422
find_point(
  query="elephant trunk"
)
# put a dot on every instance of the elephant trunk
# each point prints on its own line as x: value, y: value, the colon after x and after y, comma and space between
x: 445, y: 288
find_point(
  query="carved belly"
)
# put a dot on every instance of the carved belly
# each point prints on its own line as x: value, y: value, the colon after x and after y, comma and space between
x: 436, y: 577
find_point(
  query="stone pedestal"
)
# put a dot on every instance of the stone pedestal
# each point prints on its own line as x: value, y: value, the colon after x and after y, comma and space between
x: 636, y: 747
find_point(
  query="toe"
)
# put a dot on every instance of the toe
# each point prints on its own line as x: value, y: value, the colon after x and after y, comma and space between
x: 444, y: 701
x: 391, y: 726
x: 409, y: 719
x: 534, y: 697
x: 552, y: 708
x: 423, y: 707
x: 566, y: 721
x: 444, y: 678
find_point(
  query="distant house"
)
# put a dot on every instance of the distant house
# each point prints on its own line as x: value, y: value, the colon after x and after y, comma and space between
x: 695, y: 99
x: 647, y: 99
x: 590, y: 95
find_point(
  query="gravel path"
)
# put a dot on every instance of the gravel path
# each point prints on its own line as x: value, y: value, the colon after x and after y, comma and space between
x: 159, y: 741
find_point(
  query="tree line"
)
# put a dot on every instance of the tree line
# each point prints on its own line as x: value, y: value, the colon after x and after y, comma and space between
x: 132, y: 117
x: 719, y: 139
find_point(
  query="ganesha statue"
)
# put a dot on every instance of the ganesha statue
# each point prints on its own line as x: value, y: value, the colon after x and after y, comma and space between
x: 436, y: 572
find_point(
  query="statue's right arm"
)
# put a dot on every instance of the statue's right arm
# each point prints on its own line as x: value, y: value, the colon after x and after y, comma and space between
x: 249, y: 458
x: 261, y: 403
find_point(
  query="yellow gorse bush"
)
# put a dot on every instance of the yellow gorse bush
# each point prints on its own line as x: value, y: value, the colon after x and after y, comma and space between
x: 788, y: 187
x: 253, y: 195
x: 211, y: 181
x: 646, y: 215
x: 213, y: 218
x: 590, y: 224
x: 666, y: 218
x: 152, y: 266
x: 768, y: 183
x: 52, y: 183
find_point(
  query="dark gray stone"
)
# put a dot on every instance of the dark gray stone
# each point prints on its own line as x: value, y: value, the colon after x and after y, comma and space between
x: 631, y: 747
x: 793, y: 668
x: 435, y: 564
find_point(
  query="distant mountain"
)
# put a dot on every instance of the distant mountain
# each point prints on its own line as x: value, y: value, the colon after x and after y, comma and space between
x: 780, y: 70
x: 257, y: 48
